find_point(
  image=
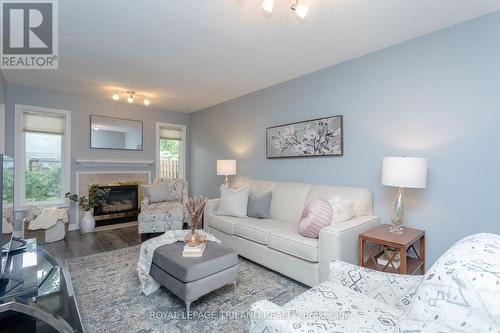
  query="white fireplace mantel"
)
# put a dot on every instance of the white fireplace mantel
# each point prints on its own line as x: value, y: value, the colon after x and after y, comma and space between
x: 91, y: 162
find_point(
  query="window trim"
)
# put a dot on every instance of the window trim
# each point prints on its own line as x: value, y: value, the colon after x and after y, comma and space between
x: 183, y: 160
x: 20, y: 143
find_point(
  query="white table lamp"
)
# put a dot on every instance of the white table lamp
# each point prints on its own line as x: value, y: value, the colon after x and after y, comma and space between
x: 226, y: 168
x: 403, y: 172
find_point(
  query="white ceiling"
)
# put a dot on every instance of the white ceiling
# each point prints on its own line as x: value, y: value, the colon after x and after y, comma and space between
x: 186, y: 55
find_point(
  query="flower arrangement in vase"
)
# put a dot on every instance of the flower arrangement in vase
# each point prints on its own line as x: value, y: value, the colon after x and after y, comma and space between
x: 195, y: 207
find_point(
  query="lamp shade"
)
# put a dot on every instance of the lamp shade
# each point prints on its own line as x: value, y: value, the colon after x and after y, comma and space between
x: 226, y: 167
x: 408, y: 172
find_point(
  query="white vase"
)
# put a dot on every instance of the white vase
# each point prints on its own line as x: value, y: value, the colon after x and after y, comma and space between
x: 87, y: 222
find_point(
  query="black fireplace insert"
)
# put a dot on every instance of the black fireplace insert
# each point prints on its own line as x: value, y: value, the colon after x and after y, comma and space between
x: 122, y: 205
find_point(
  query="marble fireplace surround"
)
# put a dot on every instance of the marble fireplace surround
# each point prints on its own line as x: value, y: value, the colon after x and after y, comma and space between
x: 86, y: 178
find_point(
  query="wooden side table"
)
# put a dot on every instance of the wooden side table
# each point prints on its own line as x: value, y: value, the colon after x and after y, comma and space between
x: 404, y: 243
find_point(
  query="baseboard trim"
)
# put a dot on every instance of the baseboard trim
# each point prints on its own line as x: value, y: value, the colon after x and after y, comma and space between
x: 73, y: 226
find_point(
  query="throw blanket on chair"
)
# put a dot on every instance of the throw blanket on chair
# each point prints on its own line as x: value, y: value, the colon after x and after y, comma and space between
x: 148, y: 284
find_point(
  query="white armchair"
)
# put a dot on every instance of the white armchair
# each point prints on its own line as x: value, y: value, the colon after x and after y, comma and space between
x: 159, y: 217
x: 459, y: 293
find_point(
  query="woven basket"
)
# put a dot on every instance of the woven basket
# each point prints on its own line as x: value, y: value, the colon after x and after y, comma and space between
x: 40, y: 233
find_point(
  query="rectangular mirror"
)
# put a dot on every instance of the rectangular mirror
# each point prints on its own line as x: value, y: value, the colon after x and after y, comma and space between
x: 115, y: 133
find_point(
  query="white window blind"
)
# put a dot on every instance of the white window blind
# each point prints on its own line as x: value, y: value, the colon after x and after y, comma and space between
x: 43, y: 123
x: 170, y: 133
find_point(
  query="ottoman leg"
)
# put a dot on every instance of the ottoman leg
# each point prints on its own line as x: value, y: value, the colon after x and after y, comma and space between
x: 188, y: 306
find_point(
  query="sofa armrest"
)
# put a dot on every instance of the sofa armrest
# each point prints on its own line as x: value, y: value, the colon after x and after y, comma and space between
x: 393, y: 289
x: 339, y: 241
x: 210, y: 208
x: 267, y: 317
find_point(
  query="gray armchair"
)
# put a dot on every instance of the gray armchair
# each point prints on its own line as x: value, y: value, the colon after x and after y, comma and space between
x: 159, y: 217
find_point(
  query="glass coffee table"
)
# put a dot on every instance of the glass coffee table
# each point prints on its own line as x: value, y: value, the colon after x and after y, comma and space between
x: 38, y: 296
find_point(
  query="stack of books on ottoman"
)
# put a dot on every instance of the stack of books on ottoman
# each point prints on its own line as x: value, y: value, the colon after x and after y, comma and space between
x: 194, y: 251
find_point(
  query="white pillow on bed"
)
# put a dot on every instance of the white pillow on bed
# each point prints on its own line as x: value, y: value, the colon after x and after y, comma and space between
x: 233, y: 202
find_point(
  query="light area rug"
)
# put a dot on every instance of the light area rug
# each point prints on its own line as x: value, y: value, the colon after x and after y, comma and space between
x: 106, y: 288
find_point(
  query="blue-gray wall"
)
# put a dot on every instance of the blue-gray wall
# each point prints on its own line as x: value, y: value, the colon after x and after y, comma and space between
x: 81, y: 108
x: 437, y: 96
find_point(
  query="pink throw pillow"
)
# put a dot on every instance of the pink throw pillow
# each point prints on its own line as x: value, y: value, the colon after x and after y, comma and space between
x: 316, y: 215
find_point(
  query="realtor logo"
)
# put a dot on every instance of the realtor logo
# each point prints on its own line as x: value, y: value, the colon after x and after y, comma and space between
x: 29, y: 34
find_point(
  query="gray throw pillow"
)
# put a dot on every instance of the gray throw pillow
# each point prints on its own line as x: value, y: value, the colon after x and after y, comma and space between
x: 260, y: 206
x: 157, y: 192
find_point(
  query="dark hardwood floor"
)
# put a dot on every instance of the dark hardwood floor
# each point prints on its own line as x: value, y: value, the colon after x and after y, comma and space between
x: 77, y: 244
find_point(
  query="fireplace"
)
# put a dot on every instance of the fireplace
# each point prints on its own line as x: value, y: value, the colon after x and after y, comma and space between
x: 122, y: 205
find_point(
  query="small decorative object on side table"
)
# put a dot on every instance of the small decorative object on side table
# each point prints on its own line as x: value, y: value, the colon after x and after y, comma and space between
x: 390, y: 250
x: 195, y: 207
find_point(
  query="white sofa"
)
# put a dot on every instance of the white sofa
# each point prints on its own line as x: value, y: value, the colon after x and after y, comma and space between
x: 276, y: 243
x: 459, y: 293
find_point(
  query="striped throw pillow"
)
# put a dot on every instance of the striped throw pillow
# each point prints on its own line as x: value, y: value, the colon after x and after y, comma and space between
x: 316, y: 215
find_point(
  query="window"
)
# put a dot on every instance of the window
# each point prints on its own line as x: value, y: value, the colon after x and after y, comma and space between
x: 171, y: 151
x: 42, y: 155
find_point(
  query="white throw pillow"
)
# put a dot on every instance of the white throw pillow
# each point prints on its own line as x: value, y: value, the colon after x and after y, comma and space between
x: 47, y: 219
x: 342, y: 210
x: 158, y: 192
x: 233, y: 202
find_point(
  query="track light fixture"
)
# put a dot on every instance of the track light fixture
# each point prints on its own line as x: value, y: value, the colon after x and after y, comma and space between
x: 131, y: 97
x: 298, y: 6
x: 268, y: 5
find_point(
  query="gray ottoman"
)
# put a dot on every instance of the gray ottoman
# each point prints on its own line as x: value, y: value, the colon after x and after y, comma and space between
x: 191, y: 278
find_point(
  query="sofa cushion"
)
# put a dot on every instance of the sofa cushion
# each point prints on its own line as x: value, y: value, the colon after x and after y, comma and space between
x: 317, y: 214
x: 161, y: 216
x: 289, y: 201
x: 224, y: 223
x: 257, y: 230
x: 233, y: 202
x: 362, y: 198
x: 342, y: 210
x: 178, y: 187
x: 291, y: 242
x: 157, y: 192
x: 259, y: 187
x: 259, y: 206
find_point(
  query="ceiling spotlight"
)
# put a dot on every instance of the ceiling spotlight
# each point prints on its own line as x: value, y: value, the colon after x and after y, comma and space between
x: 130, y: 96
x: 268, y: 5
x: 300, y: 9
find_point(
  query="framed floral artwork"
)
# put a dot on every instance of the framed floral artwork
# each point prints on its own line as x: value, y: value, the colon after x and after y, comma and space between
x: 316, y: 137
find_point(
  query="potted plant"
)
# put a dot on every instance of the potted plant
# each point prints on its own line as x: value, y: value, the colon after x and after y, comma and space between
x: 97, y: 197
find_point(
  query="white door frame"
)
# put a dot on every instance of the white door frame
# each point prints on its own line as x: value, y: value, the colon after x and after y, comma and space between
x: 183, y: 157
